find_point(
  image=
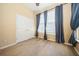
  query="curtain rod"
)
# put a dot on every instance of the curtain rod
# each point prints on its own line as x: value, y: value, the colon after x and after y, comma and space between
x: 52, y: 8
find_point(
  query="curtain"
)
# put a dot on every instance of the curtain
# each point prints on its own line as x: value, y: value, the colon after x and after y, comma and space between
x: 75, y: 16
x: 37, y: 24
x: 41, y: 24
x: 45, y: 23
x: 59, y: 24
x: 74, y: 22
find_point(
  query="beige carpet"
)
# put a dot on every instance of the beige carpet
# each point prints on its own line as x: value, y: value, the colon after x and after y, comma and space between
x: 38, y: 47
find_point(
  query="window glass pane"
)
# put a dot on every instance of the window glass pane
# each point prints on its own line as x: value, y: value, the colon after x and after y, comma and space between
x: 41, y: 25
x: 51, y: 22
x: 51, y: 16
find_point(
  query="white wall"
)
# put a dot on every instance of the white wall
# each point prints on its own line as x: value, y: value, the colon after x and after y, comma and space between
x: 24, y: 28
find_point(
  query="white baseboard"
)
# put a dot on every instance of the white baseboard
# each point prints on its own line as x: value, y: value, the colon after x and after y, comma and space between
x: 68, y: 44
x: 76, y: 50
x: 12, y: 44
x: 7, y: 46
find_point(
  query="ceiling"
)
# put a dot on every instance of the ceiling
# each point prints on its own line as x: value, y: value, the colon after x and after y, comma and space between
x: 41, y: 7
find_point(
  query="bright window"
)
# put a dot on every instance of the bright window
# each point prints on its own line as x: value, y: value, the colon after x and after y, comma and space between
x: 50, y: 28
x: 77, y: 34
x: 41, y: 25
x: 51, y: 22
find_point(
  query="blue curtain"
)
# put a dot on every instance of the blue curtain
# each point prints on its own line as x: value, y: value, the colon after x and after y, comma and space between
x: 75, y: 16
x: 45, y: 23
x: 37, y: 24
x: 74, y: 21
x: 59, y: 24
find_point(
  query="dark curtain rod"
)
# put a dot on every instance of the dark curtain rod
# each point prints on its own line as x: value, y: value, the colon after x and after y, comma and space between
x: 52, y: 8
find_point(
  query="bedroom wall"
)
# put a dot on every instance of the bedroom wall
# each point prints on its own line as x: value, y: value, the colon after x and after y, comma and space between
x: 8, y: 25
x: 8, y: 22
x: 24, y: 10
x: 66, y: 21
x: 26, y: 30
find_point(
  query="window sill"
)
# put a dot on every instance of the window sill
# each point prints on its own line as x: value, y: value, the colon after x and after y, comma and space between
x: 77, y: 40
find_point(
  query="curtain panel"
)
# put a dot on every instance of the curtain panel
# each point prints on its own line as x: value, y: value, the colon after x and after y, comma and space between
x: 45, y: 24
x: 74, y: 22
x: 59, y: 24
x: 37, y: 24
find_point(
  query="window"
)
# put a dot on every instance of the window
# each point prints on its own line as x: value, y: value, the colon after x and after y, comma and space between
x: 41, y: 24
x: 77, y: 34
x: 51, y: 22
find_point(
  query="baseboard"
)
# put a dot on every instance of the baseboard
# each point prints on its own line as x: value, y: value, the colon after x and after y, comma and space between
x: 76, y: 50
x: 55, y: 41
x: 12, y: 44
x: 68, y: 44
x: 7, y: 46
x: 25, y: 40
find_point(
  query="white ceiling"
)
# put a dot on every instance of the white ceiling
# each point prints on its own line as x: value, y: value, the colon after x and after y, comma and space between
x: 41, y: 7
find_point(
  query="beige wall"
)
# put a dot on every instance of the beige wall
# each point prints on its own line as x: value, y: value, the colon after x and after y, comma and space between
x: 66, y: 21
x: 23, y: 10
x: 8, y: 25
x: 8, y: 21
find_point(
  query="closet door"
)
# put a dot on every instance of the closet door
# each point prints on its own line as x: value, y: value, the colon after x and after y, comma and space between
x: 24, y: 28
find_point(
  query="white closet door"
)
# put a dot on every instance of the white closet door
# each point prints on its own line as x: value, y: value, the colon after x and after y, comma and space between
x: 24, y: 28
